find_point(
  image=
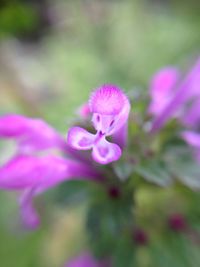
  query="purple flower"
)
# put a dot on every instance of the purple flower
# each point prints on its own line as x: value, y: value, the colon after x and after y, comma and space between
x: 31, y: 134
x: 192, y: 138
x: 86, y: 260
x: 31, y: 172
x: 169, y: 98
x: 191, y: 118
x: 110, y: 108
x: 162, y: 89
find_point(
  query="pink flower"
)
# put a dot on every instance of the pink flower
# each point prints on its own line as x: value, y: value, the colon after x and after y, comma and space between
x: 31, y: 172
x: 191, y: 118
x: 170, y: 97
x: 162, y: 89
x: 31, y: 134
x: 110, y: 108
x: 192, y: 138
x: 86, y: 260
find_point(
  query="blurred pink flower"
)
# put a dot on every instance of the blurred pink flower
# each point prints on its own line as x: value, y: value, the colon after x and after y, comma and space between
x: 84, y: 111
x: 31, y: 134
x: 171, y: 97
x: 30, y: 171
x: 162, y: 89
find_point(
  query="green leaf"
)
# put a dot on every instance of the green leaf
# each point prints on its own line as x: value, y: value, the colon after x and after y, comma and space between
x: 124, y: 254
x: 107, y: 219
x: 71, y: 192
x: 184, y: 166
x: 123, y: 170
x: 155, y: 172
x: 173, y: 250
x: 102, y: 231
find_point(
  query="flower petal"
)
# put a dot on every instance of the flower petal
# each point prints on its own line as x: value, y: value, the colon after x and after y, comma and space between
x: 183, y: 94
x: 30, y: 217
x: 192, y: 138
x: 79, y: 138
x: 35, y: 175
x: 84, y: 111
x: 191, y: 116
x: 105, y: 152
x: 162, y: 88
x: 24, y: 172
x: 163, y: 82
x: 33, y: 134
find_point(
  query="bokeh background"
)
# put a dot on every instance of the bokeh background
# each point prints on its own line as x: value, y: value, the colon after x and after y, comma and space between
x: 52, y: 54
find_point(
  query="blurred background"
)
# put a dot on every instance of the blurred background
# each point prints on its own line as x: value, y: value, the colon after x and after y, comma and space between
x: 52, y: 54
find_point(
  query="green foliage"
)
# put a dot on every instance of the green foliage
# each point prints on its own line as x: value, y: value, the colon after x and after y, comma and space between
x: 183, y: 166
x: 109, y: 221
x: 155, y: 172
x: 17, y: 18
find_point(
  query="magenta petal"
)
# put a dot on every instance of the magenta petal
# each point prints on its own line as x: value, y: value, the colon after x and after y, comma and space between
x: 86, y: 260
x: 30, y: 217
x: 105, y: 152
x: 192, y: 138
x: 162, y: 88
x: 183, y: 94
x: 120, y: 137
x: 24, y: 172
x: 163, y: 82
x: 13, y: 125
x: 28, y: 171
x: 33, y: 134
x: 84, y: 111
x: 103, y: 123
x: 80, y: 139
x: 37, y: 174
x: 191, y: 116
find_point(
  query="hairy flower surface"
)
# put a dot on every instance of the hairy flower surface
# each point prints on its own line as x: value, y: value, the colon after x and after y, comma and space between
x: 110, y: 109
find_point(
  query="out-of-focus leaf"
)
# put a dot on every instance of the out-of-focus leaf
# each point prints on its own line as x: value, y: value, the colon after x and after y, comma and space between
x: 124, y: 254
x: 155, y: 172
x: 174, y: 250
x: 184, y: 166
x: 107, y: 219
x: 71, y: 192
x: 102, y: 231
x: 17, y: 18
x: 123, y: 170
